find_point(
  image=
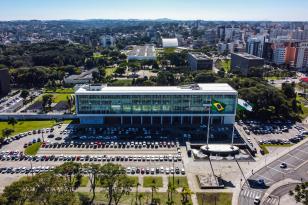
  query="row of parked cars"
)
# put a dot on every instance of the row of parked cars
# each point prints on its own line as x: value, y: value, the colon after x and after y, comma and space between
x: 24, y: 170
x: 155, y: 170
x: 294, y: 140
x: 82, y: 158
x: 22, y: 135
x: 109, y: 144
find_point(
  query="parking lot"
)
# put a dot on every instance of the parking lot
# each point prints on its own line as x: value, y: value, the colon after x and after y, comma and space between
x: 273, y: 133
x: 146, y: 155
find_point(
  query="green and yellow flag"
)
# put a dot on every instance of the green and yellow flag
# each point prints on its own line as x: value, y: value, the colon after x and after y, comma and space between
x: 218, y: 106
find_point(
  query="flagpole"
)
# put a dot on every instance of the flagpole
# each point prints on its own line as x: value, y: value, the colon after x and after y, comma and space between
x: 208, y: 126
x: 232, y: 138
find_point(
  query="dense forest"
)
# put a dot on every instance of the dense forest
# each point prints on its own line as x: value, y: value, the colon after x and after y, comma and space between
x: 54, y: 53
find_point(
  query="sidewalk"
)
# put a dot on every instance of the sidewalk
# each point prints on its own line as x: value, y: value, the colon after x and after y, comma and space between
x: 277, y: 185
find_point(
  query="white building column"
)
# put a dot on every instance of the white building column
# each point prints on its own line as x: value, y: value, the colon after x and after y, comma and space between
x: 191, y: 120
x: 141, y: 120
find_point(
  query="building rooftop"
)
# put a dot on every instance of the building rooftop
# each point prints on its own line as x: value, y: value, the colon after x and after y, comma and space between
x: 170, y: 42
x: 142, y: 51
x: 199, y: 56
x: 195, y: 88
x: 84, y: 75
x: 247, y: 56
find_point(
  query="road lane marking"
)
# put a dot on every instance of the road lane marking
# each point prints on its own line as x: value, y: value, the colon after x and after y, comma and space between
x: 296, y: 157
x: 300, y: 150
x: 276, y: 170
x: 261, y: 176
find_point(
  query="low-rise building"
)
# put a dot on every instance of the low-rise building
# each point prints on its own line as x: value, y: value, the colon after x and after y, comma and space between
x: 199, y: 61
x: 146, y: 53
x: 170, y: 42
x: 84, y: 77
x: 243, y: 62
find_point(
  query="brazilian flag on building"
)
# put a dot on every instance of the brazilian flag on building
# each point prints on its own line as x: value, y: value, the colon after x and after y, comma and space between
x: 218, y: 106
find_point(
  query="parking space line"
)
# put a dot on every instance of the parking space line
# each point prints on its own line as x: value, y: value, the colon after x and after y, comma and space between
x: 300, y: 150
x: 261, y: 176
x: 276, y: 170
x: 288, y: 163
x: 296, y: 157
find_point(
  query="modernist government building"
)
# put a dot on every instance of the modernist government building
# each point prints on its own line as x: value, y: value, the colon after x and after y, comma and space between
x: 164, y: 106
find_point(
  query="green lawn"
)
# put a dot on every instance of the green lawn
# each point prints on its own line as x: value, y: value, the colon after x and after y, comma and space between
x: 214, y: 198
x: 126, y: 82
x: 24, y: 126
x: 33, y: 149
x: 110, y: 71
x: 133, y: 178
x: 169, y: 50
x: 56, y: 98
x: 98, y: 56
x: 264, y: 148
x: 84, y: 181
x: 272, y: 78
x: 60, y: 90
x: 130, y: 199
x: 178, y: 181
x: 303, y: 103
x: 149, y: 181
x: 60, y: 97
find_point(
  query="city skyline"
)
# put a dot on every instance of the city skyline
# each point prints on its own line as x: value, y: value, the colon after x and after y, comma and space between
x: 224, y: 10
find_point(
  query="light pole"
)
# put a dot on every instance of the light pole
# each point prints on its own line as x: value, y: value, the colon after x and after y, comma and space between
x: 208, y: 125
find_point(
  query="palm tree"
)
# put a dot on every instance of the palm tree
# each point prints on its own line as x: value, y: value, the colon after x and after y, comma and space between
x: 153, y: 189
x: 186, y: 193
x: 137, y: 186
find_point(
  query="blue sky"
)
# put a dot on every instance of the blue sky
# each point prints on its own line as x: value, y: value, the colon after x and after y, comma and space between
x: 293, y: 10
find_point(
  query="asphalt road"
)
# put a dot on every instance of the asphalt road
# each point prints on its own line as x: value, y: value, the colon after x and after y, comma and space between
x: 297, y: 166
x: 277, y: 193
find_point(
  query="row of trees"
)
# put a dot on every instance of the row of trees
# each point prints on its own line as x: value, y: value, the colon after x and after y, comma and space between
x: 59, y: 187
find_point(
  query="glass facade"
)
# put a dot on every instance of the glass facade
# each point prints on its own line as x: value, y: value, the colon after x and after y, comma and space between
x: 152, y: 104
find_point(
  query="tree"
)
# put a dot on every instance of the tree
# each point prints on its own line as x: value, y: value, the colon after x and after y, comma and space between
x: 153, y: 190
x: 93, y: 171
x: 71, y: 172
x: 24, y: 94
x: 289, y: 90
x: 47, y: 101
x: 12, y: 121
x: 186, y: 194
x: 165, y: 78
x: 120, y: 70
x: 46, y: 189
x: 7, y: 132
x: 206, y: 77
x: 122, y: 187
x: 114, y: 180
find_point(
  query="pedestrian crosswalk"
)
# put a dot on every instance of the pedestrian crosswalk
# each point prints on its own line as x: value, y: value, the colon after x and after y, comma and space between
x: 251, y: 193
x: 271, y: 201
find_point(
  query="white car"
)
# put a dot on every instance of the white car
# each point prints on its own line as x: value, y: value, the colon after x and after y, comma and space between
x: 257, y: 200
